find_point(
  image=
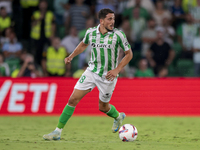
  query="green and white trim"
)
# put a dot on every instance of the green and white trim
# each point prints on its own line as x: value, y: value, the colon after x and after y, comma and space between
x: 105, y: 49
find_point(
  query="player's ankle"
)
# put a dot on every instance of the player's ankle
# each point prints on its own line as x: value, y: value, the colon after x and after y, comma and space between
x: 58, y: 129
x: 118, y: 116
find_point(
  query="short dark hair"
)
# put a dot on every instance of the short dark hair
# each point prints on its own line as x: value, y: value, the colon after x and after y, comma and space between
x: 103, y: 12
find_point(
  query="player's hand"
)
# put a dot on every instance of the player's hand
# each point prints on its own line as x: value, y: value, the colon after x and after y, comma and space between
x: 111, y: 75
x: 68, y: 60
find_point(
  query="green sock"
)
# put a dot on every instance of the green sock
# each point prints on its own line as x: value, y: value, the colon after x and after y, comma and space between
x: 66, y: 114
x: 113, y: 112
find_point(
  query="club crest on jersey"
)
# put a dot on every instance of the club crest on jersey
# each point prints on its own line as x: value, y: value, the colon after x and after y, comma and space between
x: 100, y: 45
x: 110, y: 39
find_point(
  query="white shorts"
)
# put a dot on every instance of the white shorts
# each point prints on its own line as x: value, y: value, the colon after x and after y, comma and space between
x: 90, y: 80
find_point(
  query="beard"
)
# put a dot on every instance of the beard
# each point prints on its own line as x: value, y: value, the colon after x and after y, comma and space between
x: 108, y: 29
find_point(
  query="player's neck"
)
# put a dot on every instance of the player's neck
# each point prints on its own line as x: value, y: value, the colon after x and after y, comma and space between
x: 103, y: 30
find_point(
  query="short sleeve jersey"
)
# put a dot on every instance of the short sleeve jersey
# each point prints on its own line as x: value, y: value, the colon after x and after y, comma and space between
x: 105, y: 49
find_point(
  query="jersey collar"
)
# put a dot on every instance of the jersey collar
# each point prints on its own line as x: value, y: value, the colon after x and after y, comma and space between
x: 97, y: 31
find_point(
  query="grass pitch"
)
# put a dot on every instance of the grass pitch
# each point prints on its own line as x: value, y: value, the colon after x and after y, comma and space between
x: 94, y: 133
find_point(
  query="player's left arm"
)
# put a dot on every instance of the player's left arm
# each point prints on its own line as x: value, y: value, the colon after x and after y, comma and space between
x: 111, y: 75
x: 123, y: 43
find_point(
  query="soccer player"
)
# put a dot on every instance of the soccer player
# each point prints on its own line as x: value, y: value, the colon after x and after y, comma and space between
x: 102, y: 72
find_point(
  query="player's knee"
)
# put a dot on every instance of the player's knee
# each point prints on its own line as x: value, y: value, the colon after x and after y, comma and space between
x: 103, y: 109
x: 73, y: 101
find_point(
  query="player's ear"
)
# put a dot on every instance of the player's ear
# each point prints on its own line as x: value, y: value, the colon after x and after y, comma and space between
x: 101, y: 21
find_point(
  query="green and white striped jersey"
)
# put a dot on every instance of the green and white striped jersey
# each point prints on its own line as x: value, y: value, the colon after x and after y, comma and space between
x: 105, y: 49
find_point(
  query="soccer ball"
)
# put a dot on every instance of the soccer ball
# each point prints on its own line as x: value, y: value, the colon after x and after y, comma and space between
x: 128, y: 133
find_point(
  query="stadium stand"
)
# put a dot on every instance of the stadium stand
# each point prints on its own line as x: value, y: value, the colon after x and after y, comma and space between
x: 140, y: 34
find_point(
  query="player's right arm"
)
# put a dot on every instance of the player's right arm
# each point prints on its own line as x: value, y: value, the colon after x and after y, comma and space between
x: 79, y: 49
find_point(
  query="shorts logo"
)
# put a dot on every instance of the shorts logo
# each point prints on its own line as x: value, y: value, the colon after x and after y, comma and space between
x: 107, y: 95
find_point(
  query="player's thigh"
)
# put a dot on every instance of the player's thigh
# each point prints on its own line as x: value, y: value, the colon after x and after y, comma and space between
x: 86, y: 81
x: 76, y: 96
x: 106, y: 89
x: 84, y: 85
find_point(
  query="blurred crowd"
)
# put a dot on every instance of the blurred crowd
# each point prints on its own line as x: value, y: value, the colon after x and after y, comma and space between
x: 36, y: 36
